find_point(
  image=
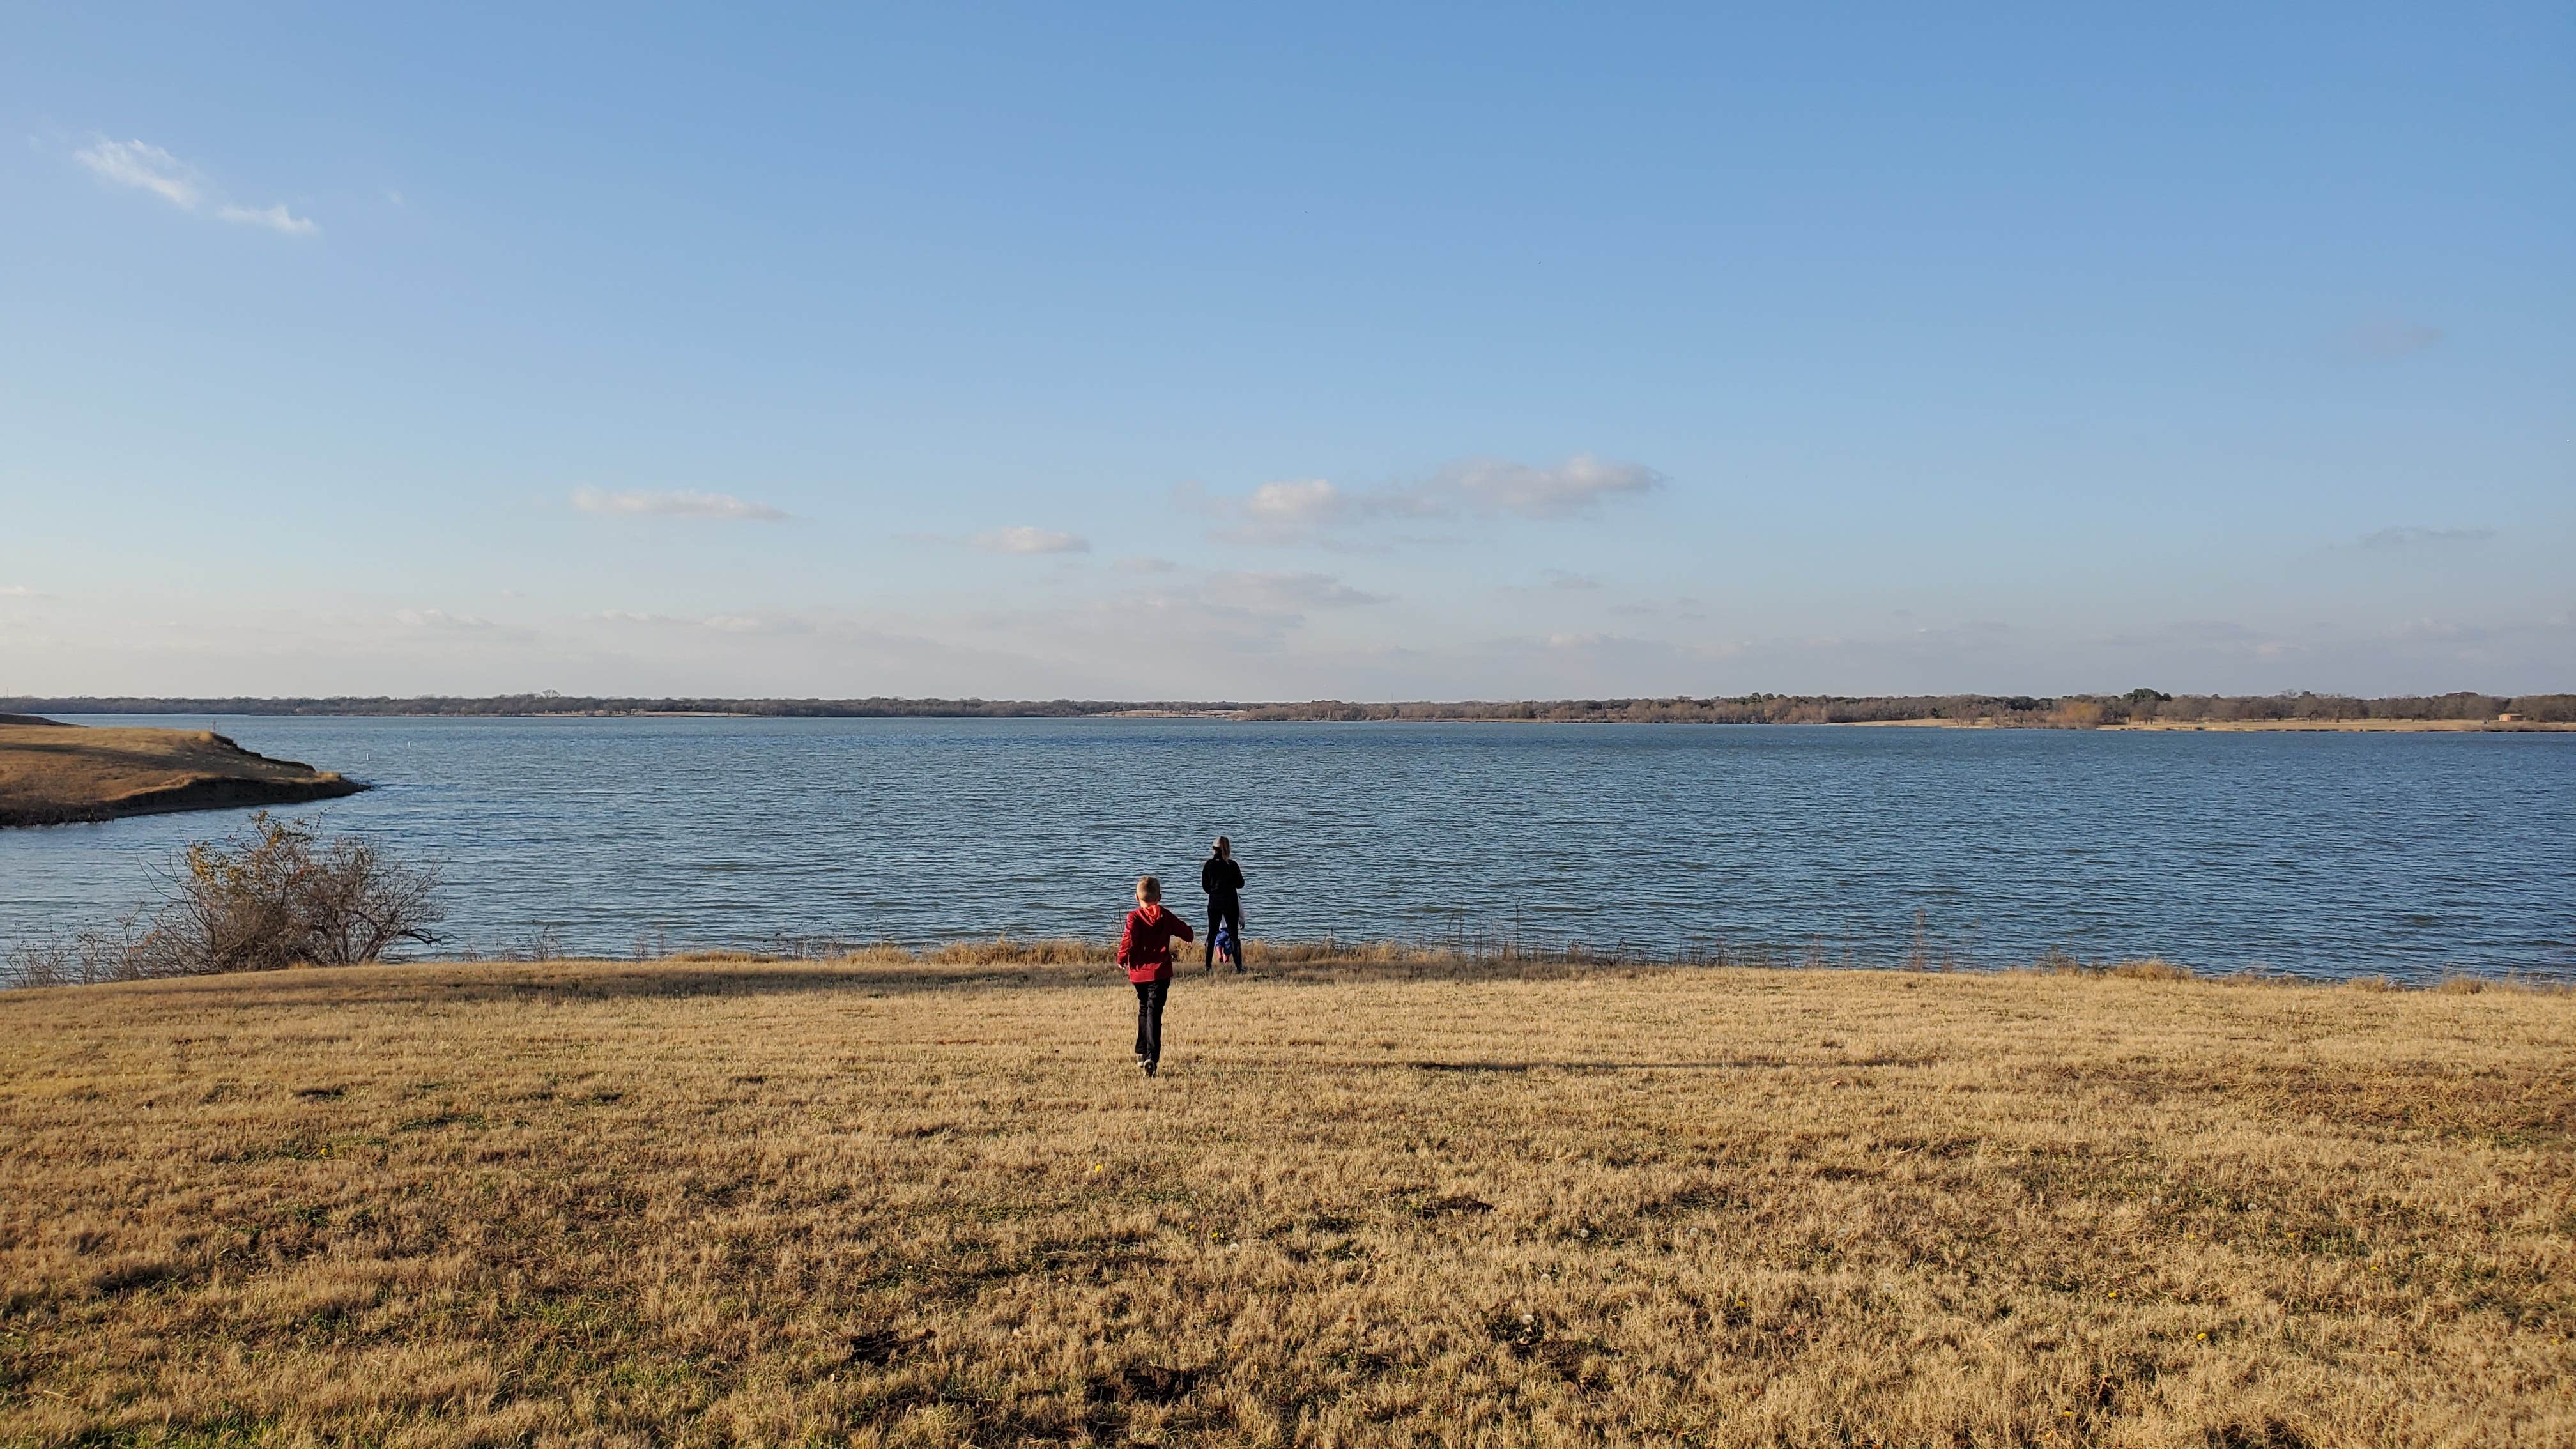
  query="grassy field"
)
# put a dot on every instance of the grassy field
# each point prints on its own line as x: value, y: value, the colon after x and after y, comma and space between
x: 930, y: 1202
x: 51, y: 773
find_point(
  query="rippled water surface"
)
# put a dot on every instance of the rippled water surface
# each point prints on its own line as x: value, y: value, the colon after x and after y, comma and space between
x: 2317, y: 853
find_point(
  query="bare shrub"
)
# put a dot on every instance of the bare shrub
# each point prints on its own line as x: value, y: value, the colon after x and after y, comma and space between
x: 279, y: 895
x: 545, y: 943
x: 275, y: 895
x: 84, y: 958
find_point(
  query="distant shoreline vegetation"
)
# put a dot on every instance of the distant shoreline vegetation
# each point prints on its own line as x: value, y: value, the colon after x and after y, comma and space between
x: 2075, y: 711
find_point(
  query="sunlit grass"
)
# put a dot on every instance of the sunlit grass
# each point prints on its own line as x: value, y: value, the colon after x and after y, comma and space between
x: 1378, y: 1196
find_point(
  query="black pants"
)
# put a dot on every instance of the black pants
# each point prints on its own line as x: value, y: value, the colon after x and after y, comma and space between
x: 1226, y: 910
x: 1149, y: 1019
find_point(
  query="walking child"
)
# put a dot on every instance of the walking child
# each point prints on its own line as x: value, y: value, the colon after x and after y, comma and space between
x: 1145, y: 949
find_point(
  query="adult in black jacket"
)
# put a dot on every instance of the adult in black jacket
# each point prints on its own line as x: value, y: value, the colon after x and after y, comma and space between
x: 1222, y: 879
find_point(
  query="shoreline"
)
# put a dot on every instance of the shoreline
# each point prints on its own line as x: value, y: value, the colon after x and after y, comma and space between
x: 1075, y: 961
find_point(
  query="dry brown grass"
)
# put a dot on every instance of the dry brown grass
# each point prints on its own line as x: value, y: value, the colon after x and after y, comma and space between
x: 55, y: 772
x: 929, y: 1202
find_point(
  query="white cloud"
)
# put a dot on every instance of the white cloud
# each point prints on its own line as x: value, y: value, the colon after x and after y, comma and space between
x: 1306, y: 509
x: 1031, y: 540
x: 18, y: 591
x: 146, y: 167
x: 275, y: 218
x: 682, y: 503
x: 1305, y: 503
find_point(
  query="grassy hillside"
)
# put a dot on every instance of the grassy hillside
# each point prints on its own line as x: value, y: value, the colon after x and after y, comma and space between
x: 930, y: 1202
x: 51, y: 773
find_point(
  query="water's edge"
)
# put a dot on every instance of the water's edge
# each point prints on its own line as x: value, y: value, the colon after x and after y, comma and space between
x: 2413, y: 855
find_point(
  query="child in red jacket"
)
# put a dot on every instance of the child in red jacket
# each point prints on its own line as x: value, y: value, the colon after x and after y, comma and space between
x: 1145, y: 949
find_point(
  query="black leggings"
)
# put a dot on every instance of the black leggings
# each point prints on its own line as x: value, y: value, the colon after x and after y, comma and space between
x: 1224, y: 910
x: 1149, y: 1018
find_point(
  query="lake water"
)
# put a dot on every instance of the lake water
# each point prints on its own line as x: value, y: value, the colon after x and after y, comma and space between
x: 2319, y: 854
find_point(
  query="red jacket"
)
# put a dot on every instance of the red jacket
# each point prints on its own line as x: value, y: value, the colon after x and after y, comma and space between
x: 1145, y: 947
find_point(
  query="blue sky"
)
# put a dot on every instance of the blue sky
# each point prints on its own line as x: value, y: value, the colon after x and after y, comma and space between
x: 1178, y: 352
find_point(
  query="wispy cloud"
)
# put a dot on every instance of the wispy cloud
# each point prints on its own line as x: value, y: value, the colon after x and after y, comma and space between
x: 1682, y: 607
x: 1305, y: 509
x: 1031, y: 540
x: 1556, y: 581
x: 1578, y: 486
x: 1585, y: 641
x: 18, y: 591
x: 1289, y: 591
x: 1233, y: 613
x: 439, y: 619
x: 750, y: 624
x: 2394, y: 339
x: 142, y: 166
x: 2415, y: 539
x: 1303, y: 504
x: 275, y: 218
x: 682, y: 503
x: 717, y: 623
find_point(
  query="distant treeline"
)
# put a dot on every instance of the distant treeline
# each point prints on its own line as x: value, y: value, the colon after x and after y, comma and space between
x: 2074, y: 711
x: 2059, y: 712
x: 550, y: 703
